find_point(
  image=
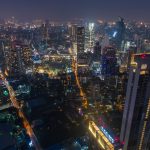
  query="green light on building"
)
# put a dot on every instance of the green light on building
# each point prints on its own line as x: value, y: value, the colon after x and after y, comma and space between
x: 5, y: 93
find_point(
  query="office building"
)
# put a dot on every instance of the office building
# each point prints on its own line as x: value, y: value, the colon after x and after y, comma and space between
x: 19, y: 59
x: 109, y: 65
x: 44, y: 30
x: 89, y: 37
x: 5, y: 48
x: 97, y: 51
x: 135, y: 130
x: 16, y: 66
x: 120, y: 32
x: 80, y: 43
x: 26, y: 56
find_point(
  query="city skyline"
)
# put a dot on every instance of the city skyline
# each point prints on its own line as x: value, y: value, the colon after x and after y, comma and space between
x: 68, y: 9
x: 74, y: 75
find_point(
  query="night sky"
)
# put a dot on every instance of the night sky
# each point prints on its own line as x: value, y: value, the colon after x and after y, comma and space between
x: 26, y: 10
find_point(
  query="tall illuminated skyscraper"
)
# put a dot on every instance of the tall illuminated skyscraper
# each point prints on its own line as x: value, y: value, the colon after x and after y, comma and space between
x: 26, y: 55
x: 73, y: 33
x: 109, y: 62
x: 73, y: 36
x: 120, y: 35
x: 90, y: 37
x: 135, y: 130
x: 80, y: 42
x: 16, y: 66
x: 19, y: 58
x: 4, y: 50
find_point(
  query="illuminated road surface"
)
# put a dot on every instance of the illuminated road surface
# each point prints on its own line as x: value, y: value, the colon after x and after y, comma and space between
x: 74, y: 68
x: 26, y: 124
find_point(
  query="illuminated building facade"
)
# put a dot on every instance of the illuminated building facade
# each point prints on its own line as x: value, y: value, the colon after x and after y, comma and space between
x: 104, y: 140
x: 80, y: 42
x: 19, y: 58
x: 135, y: 130
x: 109, y: 62
x: 26, y: 55
x: 16, y: 66
x: 89, y: 37
x: 120, y: 32
x: 97, y: 52
x: 73, y: 36
x: 73, y: 33
x: 5, y: 48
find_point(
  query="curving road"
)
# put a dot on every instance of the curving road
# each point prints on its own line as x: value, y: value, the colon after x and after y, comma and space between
x: 74, y: 68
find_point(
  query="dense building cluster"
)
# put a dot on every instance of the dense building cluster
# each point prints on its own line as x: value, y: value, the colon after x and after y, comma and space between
x: 77, y: 85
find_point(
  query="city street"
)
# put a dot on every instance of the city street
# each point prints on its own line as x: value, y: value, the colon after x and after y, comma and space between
x: 21, y: 114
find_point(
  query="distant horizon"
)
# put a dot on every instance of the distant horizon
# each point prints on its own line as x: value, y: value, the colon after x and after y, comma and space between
x: 25, y: 20
x: 27, y: 10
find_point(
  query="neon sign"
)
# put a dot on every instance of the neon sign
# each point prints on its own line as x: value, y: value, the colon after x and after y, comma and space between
x: 107, y: 135
x: 143, y: 56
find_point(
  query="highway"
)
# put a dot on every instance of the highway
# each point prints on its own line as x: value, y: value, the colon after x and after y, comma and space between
x: 26, y: 124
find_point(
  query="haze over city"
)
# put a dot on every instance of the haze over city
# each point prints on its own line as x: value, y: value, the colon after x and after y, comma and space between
x: 26, y: 10
x: 74, y: 75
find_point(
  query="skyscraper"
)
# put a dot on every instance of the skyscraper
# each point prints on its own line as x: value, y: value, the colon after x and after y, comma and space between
x: 109, y: 62
x: 73, y: 36
x: 16, y: 66
x: 80, y: 42
x: 4, y: 53
x: 97, y: 51
x: 26, y: 55
x: 89, y: 37
x: 120, y: 27
x: 44, y: 30
x: 19, y: 58
x: 73, y: 32
x: 135, y: 130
